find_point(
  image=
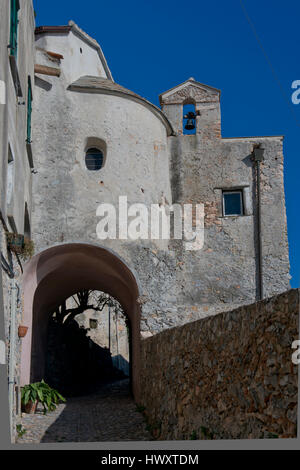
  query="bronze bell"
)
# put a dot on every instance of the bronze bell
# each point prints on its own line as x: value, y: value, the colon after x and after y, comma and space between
x: 190, y: 125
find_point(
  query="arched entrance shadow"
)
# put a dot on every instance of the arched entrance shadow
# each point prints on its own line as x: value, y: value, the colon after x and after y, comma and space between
x: 58, y: 273
x: 75, y: 364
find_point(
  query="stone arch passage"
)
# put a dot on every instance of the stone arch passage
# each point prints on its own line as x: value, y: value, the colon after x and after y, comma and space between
x: 59, y: 272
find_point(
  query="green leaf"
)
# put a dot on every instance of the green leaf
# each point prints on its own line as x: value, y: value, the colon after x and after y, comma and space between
x: 40, y: 395
x: 60, y: 397
x: 27, y: 396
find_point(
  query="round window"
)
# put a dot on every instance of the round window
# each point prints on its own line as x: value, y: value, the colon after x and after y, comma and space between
x: 94, y: 159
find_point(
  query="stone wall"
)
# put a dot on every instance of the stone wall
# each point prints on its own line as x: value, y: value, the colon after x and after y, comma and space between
x: 224, y: 274
x: 228, y: 376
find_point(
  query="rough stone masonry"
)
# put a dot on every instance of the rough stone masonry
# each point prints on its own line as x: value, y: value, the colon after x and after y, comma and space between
x: 229, y: 376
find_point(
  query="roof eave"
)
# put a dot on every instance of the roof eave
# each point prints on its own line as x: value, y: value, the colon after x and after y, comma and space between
x: 192, y: 81
x: 80, y: 33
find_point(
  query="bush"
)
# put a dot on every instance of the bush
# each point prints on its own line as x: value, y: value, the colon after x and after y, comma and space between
x: 28, y: 249
x: 21, y: 245
x: 42, y: 393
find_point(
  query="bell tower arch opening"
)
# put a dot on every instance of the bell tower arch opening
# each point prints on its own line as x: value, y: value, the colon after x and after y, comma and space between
x: 60, y: 272
x: 189, y: 123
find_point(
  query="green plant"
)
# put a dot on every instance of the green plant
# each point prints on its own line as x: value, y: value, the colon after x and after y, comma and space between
x: 206, y: 433
x: 140, y: 408
x: 20, y: 430
x: 15, y: 242
x: 19, y: 244
x: 42, y: 393
x: 28, y: 249
x: 193, y: 436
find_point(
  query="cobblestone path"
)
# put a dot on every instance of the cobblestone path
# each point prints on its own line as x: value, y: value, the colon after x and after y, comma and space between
x: 108, y: 415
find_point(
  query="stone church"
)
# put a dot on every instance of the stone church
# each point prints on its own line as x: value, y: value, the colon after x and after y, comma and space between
x: 71, y: 139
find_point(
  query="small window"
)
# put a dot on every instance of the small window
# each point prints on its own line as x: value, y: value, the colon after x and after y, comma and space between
x: 93, y: 323
x: 94, y: 159
x: 232, y: 203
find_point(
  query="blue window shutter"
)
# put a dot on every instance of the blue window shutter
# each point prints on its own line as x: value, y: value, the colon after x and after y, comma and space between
x: 14, y: 8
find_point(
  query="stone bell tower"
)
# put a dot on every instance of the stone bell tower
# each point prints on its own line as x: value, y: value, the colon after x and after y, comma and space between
x: 230, y: 269
x: 206, y: 100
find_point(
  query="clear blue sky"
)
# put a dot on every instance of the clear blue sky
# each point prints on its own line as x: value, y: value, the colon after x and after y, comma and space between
x: 153, y: 45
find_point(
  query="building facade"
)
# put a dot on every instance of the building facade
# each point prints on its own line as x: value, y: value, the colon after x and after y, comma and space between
x: 16, y: 94
x: 94, y: 141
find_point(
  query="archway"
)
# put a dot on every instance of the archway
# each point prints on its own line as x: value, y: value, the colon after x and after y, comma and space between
x: 59, y: 272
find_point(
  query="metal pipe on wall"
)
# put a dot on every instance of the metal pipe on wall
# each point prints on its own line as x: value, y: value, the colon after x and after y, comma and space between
x: 12, y: 355
x: 258, y: 158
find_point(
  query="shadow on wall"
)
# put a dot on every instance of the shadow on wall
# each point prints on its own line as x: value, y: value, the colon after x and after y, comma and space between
x: 75, y: 365
x: 120, y: 363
